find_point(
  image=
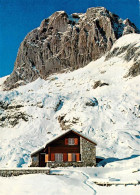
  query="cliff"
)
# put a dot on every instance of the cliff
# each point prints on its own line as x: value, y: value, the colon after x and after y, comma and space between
x: 64, y: 42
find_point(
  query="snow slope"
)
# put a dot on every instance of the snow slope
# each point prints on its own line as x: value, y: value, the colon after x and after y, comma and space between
x: 109, y: 113
x: 71, y: 181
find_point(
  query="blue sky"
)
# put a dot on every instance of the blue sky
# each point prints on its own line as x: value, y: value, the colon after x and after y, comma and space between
x: 18, y: 17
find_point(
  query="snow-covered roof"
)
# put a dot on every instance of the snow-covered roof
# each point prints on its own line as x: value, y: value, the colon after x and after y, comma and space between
x: 60, y: 135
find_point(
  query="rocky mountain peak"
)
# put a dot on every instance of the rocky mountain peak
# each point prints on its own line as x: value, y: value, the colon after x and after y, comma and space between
x: 57, y: 21
x: 66, y: 42
x: 95, y: 12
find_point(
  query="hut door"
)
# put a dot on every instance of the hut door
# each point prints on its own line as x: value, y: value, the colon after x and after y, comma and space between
x: 42, y: 160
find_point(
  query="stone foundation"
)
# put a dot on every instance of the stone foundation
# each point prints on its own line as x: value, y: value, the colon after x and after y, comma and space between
x: 64, y: 164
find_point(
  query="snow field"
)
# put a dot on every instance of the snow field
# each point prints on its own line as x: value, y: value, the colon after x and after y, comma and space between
x: 69, y: 181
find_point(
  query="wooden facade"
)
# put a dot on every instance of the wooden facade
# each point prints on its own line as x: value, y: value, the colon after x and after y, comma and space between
x: 65, y: 148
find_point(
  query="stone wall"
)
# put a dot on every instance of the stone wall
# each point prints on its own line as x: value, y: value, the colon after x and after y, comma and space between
x: 64, y: 164
x: 88, y: 152
x: 35, y: 161
x: 17, y: 172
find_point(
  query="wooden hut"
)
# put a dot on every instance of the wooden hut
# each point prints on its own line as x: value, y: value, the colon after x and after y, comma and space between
x: 70, y: 148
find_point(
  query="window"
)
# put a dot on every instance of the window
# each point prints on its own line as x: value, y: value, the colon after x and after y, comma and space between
x: 59, y: 157
x: 71, y: 157
x: 71, y: 141
x: 34, y: 159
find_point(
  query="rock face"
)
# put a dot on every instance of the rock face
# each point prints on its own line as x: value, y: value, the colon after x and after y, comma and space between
x: 11, y: 114
x: 66, y: 42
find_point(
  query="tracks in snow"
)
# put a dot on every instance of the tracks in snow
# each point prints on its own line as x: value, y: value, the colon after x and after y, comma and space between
x: 87, y: 182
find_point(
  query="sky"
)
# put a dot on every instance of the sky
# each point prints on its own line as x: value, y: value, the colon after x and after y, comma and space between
x: 18, y: 17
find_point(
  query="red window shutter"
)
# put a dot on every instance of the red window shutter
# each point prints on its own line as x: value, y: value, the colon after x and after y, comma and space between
x: 66, y: 141
x: 77, y: 157
x: 75, y: 141
x: 65, y: 157
x: 52, y: 157
x: 46, y: 158
x: 69, y: 157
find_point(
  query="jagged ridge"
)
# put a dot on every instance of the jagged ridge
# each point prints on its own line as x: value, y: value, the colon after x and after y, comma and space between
x: 66, y: 42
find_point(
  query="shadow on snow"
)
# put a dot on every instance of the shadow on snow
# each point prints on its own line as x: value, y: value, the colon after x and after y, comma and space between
x: 103, y: 162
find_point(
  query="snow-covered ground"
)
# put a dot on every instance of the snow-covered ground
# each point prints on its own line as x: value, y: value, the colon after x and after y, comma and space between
x: 108, y: 113
x: 72, y: 181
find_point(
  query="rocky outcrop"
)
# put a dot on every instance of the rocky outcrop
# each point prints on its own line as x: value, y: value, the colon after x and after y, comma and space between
x: 99, y: 84
x: 129, y: 52
x: 134, y: 70
x: 66, y: 42
x: 11, y: 114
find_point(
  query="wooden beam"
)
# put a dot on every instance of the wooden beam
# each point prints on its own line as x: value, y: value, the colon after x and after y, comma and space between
x: 49, y: 153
